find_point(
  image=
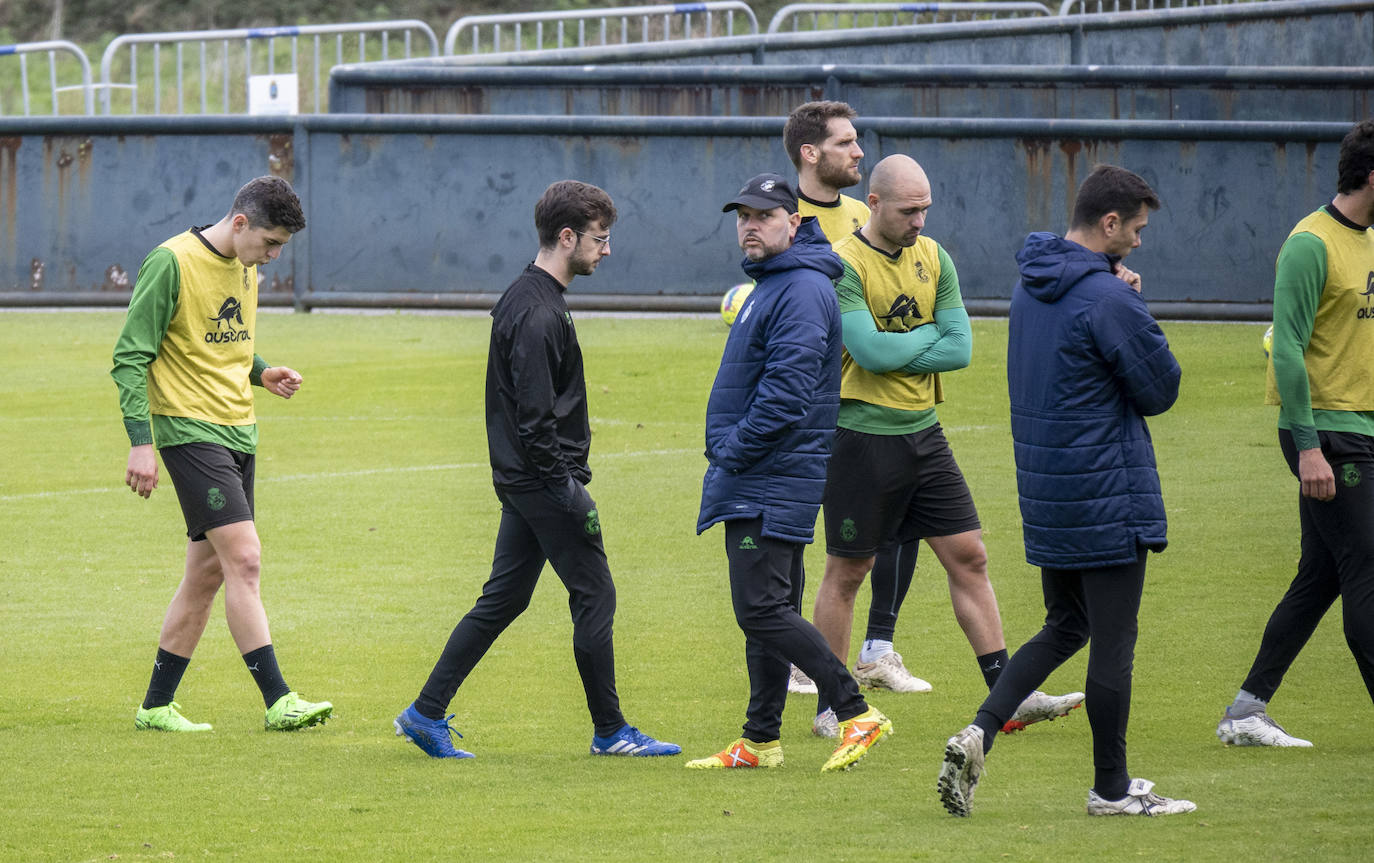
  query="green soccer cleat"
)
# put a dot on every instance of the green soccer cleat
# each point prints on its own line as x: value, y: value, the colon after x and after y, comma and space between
x: 291, y: 713
x: 166, y: 718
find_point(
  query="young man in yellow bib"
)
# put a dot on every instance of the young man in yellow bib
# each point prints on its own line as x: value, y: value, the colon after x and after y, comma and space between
x: 1319, y: 376
x: 892, y: 475
x: 184, y: 364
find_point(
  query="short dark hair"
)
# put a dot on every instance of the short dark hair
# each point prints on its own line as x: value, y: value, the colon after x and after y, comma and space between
x: 1357, y: 158
x: 570, y: 204
x: 269, y: 202
x: 1109, y: 189
x: 810, y: 124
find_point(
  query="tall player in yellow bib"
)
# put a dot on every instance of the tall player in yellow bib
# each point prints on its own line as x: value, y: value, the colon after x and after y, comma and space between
x: 184, y: 366
x: 823, y: 145
x: 892, y: 475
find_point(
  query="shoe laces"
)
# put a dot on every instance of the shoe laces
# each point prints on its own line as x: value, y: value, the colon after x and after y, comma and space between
x: 635, y: 736
x: 443, y: 723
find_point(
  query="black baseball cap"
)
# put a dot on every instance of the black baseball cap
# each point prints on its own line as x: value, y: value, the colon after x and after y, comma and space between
x: 765, y: 192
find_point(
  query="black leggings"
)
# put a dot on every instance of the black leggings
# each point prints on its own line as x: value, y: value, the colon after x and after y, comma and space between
x: 536, y: 527
x: 893, y: 568
x: 766, y: 583
x: 1097, y: 607
x: 1337, y: 561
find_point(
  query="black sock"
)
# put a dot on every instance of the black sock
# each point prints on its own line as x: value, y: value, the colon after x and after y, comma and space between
x: 992, y: 665
x: 262, y: 664
x: 167, y: 671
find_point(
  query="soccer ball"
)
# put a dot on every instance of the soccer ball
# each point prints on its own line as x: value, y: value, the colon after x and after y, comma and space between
x: 733, y: 301
x: 1268, y: 341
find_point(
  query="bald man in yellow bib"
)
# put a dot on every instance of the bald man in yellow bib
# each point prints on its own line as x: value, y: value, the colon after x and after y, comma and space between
x: 892, y: 475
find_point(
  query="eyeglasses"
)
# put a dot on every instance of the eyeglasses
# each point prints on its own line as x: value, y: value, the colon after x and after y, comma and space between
x: 601, y: 242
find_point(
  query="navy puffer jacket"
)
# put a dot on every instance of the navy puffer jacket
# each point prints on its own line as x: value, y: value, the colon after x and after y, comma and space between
x: 772, y: 410
x: 1086, y: 363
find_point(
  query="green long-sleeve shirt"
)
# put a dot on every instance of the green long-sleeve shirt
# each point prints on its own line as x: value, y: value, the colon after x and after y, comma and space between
x: 943, y: 347
x: 1300, y: 276
x: 151, y: 308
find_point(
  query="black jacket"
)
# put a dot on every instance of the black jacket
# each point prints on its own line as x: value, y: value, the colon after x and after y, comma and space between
x: 537, y: 430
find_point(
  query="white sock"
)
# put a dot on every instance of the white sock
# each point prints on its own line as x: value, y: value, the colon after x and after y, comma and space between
x: 874, y: 649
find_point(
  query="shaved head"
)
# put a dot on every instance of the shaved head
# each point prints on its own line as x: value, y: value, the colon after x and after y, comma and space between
x: 898, y: 174
x: 898, y: 198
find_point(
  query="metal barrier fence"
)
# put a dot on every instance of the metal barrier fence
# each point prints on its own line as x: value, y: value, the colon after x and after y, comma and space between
x: 52, y: 48
x: 1092, y: 7
x: 830, y: 16
x: 233, y: 68
x: 655, y: 24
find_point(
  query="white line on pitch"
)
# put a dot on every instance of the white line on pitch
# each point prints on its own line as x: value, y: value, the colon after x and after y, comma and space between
x: 423, y: 468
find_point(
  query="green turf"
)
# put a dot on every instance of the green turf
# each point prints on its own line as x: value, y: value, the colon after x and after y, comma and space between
x: 377, y: 517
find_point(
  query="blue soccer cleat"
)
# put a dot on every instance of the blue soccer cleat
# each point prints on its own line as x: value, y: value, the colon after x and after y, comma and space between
x: 631, y: 741
x: 433, y: 736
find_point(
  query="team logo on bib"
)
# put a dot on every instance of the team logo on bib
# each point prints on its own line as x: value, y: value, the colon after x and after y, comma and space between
x: 230, y: 313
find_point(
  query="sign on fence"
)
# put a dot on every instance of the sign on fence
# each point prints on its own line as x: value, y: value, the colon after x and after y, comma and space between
x: 273, y: 95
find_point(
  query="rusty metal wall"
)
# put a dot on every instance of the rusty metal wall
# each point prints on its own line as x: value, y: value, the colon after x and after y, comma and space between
x: 438, y: 210
x: 1062, y: 92
x: 83, y: 199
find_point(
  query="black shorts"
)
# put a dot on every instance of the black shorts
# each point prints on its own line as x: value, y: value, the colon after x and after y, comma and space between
x: 884, y: 488
x: 214, y: 485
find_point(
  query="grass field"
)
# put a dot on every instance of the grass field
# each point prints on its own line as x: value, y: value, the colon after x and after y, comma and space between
x: 377, y: 516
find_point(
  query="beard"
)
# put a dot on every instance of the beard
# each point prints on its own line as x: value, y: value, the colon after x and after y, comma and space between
x: 838, y: 175
x: 585, y: 265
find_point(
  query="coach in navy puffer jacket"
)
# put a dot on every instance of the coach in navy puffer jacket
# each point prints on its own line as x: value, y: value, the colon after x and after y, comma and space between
x: 772, y: 410
x: 1086, y: 363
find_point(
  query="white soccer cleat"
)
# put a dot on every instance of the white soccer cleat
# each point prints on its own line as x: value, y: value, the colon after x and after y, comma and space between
x: 1039, y: 707
x: 826, y: 724
x: 798, y: 682
x: 1255, y: 729
x: 962, y: 769
x: 1139, y: 800
x: 888, y: 672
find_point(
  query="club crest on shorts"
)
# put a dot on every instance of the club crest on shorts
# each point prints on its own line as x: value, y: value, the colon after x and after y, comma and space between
x: 215, y: 499
x: 593, y: 524
x: 1350, y: 475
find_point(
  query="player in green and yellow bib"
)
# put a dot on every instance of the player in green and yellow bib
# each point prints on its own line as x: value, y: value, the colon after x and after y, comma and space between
x: 892, y: 474
x: 823, y: 145
x: 184, y: 365
x: 1319, y: 375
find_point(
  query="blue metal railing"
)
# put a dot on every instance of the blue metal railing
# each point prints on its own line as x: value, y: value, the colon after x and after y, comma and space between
x: 52, y: 48
x: 830, y: 15
x: 238, y: 68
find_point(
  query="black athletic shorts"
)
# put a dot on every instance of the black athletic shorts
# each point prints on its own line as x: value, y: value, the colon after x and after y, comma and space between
x: 213, y: 483
x: 883, y: 488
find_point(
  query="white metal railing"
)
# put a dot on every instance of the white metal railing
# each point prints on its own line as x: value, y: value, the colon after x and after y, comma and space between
x: 830, y: 15
x: 52, y: 48
x: 537, y: 31
x: 230, y: 66
x: 1077, y: 7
